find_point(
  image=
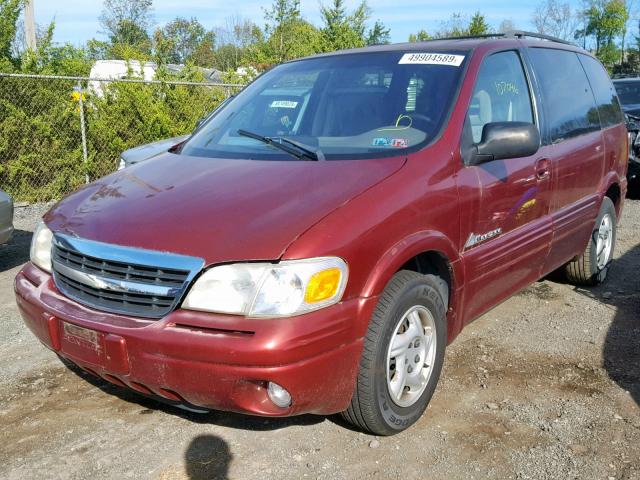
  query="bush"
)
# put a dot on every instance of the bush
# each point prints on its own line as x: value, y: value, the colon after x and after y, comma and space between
x: 41, y: 156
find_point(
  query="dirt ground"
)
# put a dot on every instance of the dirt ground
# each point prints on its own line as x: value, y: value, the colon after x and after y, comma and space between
x: 546, y: 386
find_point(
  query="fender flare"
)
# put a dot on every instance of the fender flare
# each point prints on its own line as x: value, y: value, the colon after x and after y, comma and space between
x: 407, y: 248
x: 610, y: 179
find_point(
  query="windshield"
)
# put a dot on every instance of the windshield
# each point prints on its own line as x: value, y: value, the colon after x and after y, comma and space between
x: 628, y: 92
x: 343, y: 107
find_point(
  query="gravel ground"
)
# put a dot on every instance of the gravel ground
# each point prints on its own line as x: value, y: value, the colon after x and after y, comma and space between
x: 545, y: 386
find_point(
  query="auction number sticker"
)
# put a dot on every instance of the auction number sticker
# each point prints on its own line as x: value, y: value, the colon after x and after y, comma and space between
x: 284, y: 104
x: 432, y: 59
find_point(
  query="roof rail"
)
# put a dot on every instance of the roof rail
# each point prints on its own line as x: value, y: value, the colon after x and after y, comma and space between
x: 542, y: 36
x: 619, y: 76
x: 510, y: 34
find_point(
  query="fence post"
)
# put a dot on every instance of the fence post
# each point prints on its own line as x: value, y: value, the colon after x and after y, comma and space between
x: 83, y: 133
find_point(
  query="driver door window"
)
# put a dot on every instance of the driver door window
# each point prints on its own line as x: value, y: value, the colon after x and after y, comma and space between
x: 501, y: 93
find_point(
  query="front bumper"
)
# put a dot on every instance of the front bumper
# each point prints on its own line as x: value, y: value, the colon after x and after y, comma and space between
x: 214, y: 361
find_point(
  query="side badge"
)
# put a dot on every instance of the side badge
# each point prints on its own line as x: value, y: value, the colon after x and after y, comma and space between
x: 479, y: 238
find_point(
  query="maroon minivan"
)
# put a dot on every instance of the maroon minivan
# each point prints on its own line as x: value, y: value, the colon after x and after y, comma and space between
x: 317, y: 243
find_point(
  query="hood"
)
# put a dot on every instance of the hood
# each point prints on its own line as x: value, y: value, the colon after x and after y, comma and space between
x: 219, y: 210
x: 144, y: 152
x: 632, y: 109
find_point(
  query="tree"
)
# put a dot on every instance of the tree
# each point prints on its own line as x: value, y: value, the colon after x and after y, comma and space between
x: 284, y: 43
x: 282, y: 18
x: 180, y: 39
x: 237, y: 43
x: 9, y: 13
x: 421, y: 36
x: 127, y: 22
x: 454, y: 27
x: 478, y: 25
x: 604, y: 21
x: 556, y: 19
x: 459, y: 25
x: 378, y: 34
x: 341, y: 30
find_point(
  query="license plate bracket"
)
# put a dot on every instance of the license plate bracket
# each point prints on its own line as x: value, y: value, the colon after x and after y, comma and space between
x: 82, y: 343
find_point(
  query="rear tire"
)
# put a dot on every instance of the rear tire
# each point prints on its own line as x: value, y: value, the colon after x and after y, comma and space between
x: 592, y: 266
x: 403, y: 353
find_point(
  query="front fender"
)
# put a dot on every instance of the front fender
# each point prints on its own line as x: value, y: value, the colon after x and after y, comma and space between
x: 406, y: 249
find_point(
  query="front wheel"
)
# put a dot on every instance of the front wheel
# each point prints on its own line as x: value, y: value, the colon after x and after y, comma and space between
x: 402, y: 356
x: 592, y: 266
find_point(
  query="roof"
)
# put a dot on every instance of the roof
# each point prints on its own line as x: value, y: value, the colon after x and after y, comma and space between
x: 464, y: 44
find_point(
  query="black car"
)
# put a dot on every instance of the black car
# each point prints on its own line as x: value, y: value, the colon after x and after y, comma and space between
x: 629, y: 94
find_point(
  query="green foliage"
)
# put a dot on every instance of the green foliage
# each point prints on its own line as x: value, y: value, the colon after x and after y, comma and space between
x: 179, y: 41
x: 9, y: 13
x: 51, y: 59
x: 421, y: 36
x: 478, y: 25
x: 379, y: 34
x: 631, y: 63
x: 284, y: 43
x: 131, y: 114
x: 126, y: 23
x: 240, y: 44
x: 284, y: 30
x: 605, y: 20
x: 41, y: 154
x: 609, y: 55
x: 460, y: 25
x: 341, y: 30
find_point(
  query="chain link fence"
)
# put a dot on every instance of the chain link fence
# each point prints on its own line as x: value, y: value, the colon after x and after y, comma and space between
x: 58, y: 133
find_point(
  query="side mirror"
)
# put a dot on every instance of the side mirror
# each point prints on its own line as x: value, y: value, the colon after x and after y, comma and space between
x: 501, y: 140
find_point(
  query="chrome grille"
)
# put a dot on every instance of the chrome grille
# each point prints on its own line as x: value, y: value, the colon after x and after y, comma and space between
x: 119, y: 279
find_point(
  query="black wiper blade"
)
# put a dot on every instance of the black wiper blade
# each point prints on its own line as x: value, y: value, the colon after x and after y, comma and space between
x: 310, y: 152
x: 289, y: 146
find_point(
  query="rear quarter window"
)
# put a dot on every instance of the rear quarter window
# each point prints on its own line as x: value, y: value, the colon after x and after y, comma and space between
x: 566, y: 94
x: 603, y: 91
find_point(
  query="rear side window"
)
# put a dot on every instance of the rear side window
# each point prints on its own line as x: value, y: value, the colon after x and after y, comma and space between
x: 566, y: 94
x: 501, y: 93
x: 604, y: 92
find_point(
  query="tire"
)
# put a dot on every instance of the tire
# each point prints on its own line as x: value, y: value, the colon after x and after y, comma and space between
x: 410, y: 300
x: 588, y: 268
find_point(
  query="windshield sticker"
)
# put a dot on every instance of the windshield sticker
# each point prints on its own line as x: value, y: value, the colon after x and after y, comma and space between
x: 431, y: 59
x: 390, y: 142
x: 284, y: 104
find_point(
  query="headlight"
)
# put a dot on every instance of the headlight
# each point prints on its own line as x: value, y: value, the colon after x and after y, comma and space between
x: 41, y: 247
x: 122, y: 164
x: 287, y: 288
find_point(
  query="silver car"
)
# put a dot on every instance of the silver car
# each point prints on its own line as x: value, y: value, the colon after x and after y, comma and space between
x: 147, y: 151
x: 6, y: 217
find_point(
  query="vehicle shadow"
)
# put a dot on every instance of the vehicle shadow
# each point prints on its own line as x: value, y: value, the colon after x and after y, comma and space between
x: 621, y: 293
x: 208, y: 458
x: 622, y: 343
x: 213, y: 417
x: 15, y: 252
x: 633, y: 190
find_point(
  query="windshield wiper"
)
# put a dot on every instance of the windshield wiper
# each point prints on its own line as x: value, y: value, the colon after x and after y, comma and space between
x: 291, y: 147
